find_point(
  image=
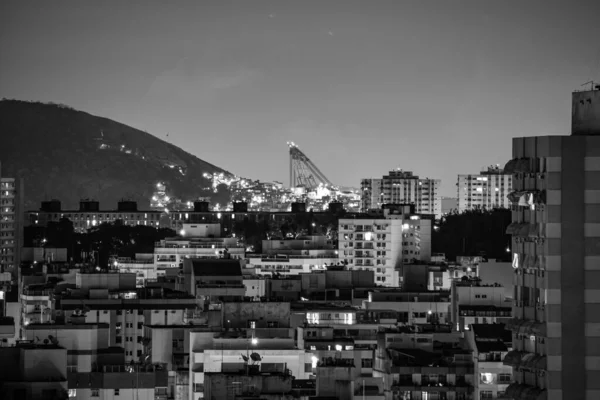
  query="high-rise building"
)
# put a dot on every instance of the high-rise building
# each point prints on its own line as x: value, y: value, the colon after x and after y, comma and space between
x: 489, y: 189
x: 402, y: 187
x: 556, y: 258
x: 11, y: 226
x: 384, y: 244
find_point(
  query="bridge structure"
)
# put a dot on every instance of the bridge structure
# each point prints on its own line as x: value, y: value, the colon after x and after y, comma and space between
x: 303, y: 172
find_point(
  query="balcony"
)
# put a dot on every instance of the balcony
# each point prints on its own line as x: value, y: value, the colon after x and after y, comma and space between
x: 460, y: 387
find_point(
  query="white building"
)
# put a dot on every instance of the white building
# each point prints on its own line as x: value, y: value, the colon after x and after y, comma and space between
x: 142, y: 266
x: 490, y: 343
x: 487, y: 190
x: 384, y: 244
x: 256, y: 286
x: 293, y: 256
x: 224, y: 354
x: 476, y: 303
x: 195, y: 241
x: 11, y: 227
x: 36, y: 304
x: 414, y: 307
x: 402, y: 187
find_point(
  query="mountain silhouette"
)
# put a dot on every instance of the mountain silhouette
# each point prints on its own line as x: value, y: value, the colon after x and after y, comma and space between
x: 65, y: 154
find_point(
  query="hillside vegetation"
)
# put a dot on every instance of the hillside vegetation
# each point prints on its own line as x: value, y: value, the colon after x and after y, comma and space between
x: 68, y: 155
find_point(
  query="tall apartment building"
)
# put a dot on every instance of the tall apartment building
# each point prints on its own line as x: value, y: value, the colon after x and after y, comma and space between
x: 556, y: 257
x: 11, y: 223
x: 384, y: 244
x: 402, y: 187
x: 489, y: 189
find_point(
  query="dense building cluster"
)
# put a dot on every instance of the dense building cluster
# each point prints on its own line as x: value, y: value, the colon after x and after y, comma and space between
x: 330, y: 304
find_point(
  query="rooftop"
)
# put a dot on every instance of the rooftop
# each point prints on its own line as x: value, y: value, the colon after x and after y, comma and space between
x: 491, y: 331
x: 216, y: 267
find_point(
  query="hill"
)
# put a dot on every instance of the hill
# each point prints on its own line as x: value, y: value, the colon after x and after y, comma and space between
x: 65, y: 154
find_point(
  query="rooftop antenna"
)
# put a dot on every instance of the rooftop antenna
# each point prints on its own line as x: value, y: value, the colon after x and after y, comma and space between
x: 591, y: 83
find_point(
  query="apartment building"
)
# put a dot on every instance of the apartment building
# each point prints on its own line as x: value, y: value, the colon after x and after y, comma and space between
x: 258, y: 338
x: 402, y: 187
x: 475, y: 302
x: 487, y: 190
x: 556, y: 257
x: 412, y: 368
x: 35, y: 371
x: 490, y: 343
x: 384, y: 244
x: 196, y: 241
x: 414, y: 308
x: 11, y: 224
x: 125, y: 309
x: 293, y: 256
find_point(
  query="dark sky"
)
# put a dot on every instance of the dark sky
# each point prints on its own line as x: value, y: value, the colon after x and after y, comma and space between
x: 437, y: 87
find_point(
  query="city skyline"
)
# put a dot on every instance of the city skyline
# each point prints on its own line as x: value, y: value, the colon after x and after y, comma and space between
x: 339, y: 76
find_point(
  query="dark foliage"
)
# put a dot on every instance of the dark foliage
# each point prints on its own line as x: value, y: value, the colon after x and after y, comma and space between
x: 103, y: 241
x: 69, y: 155
x: 473, y: 233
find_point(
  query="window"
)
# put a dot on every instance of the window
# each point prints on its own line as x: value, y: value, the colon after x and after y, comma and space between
x: 252, y: 324
x: 140, y: 325
x: 119, y: 339
x: 95, y: 392
x: 116, y: 392
x: 487, y: 394
x: 139, y: 353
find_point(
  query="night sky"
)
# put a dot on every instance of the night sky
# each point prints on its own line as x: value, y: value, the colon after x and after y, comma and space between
x: 436, y: 87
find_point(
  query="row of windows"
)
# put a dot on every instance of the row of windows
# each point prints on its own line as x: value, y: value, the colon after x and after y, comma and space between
x: 119, y: 339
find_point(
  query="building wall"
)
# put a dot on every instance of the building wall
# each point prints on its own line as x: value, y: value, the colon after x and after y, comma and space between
x: 82, y: 342
x: 255, y: 287
x: 119, y: 394
x: 400, y: 187
x: 485, y: 190
x: 201, y: 230
x: 11, y: 224
x: 372, y: 244
x: 585, y: 117
x: 238, y: 314
x: 567, y: 168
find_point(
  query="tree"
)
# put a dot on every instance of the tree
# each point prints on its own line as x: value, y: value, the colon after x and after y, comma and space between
x: 474, y: 233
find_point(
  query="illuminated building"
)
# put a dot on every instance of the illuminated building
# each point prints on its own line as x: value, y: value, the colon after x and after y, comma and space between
x: 196, y: 241
x: 402, y: 187
x: 384, y: 244
x: 89, y: 215
x: 293, y: 256
x: 474, y: 302
x: 417, y: 365
x: 556, y: 257
x: 414, y: 308
x: 252, y: 327
x: 142, y: 266
x: 490, y: 343
x: 113, y: 299
x: 11, y: 224
x: 487, y: 190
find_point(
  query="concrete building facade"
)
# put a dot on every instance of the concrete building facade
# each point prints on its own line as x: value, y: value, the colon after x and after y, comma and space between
x: 556, y: 258
x: 402, y: 187
x: 11, y: 224
x: 486, y: 190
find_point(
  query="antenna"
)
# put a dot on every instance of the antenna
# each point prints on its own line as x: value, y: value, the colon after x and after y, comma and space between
x: 591, y: 83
